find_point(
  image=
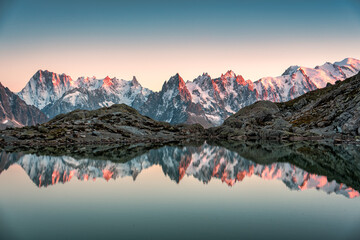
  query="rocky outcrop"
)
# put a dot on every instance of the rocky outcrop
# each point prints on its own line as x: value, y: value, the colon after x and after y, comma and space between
x: 116, y: 124
x: 331, y: 112
x: 14, y: 112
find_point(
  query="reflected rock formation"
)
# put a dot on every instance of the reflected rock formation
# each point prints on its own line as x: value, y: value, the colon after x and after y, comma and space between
x: 203, y: 162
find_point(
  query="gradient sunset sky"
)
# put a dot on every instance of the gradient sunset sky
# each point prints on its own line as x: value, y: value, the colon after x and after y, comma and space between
x: 154, y: 40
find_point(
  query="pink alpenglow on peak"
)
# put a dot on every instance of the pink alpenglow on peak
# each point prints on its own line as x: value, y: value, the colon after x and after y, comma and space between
x: 228, y: 74
x: 107, y: 82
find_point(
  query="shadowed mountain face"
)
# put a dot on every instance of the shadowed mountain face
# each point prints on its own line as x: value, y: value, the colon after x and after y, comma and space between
x: 14, y: 112
x: 332, y: 169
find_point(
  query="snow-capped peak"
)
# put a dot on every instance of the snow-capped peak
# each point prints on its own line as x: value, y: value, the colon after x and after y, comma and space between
x: 90, y: 83
x: 202, y: 80
x: 45, y: 87
x: 107, y: 82
x: 355, y: 63
x: 175, y: 81
x: 240, y: 80
x: 134, y: 81
x: 290, y: 70
x: 205, y: 74
x: 228, y: 74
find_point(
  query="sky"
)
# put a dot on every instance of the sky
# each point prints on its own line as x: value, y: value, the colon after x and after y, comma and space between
x: 154, y: 40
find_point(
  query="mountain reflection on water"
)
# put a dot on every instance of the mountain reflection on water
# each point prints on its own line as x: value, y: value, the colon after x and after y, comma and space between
x: 203, y: 162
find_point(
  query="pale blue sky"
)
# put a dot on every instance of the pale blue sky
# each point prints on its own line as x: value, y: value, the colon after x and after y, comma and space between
x: 155, y: 39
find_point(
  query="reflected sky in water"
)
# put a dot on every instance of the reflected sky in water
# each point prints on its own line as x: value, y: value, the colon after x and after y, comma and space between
x: 204, y: 192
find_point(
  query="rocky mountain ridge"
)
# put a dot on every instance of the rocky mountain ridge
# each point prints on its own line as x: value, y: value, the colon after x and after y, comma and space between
x: 56, y: 94
x: 91, y: 94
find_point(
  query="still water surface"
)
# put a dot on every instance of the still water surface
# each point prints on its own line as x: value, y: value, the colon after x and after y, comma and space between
x: 192, y: 192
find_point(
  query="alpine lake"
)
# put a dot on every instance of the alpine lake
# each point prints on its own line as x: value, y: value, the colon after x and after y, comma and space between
x: 223, y: 190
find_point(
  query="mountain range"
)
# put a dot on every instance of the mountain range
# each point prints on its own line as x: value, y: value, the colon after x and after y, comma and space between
x: 205, y: 100
x: 210, y: 101
x: 329, y: 113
